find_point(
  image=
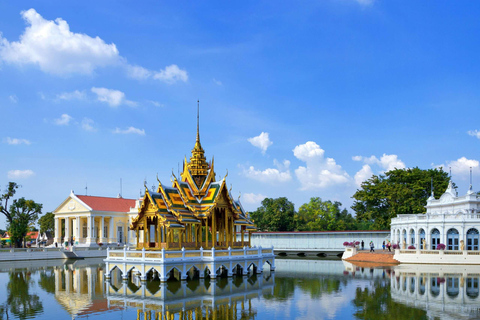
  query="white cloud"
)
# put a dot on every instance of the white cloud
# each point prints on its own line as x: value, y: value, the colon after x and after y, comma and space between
x: 270, y: 175
x: 461, y: 166
x: 252, y: 198
x: 261, y: 141
x: 156, y: 103
x: 55, y: 49
x: 387, y: 162
x: 363, y: 174
x: 365, y: 2
x: 130, y: 130
x: 218, y: 83
x: 87, y: 125
x: 74, y: 95
x: 64, y: 120
x: 20, y: 174
x: 474, y: 133
x: 15, y: 141
x: 171, y: 74
x: 113, y: 98
x: 319, y: 172
x: 13, y: 98
x: 138, y: 72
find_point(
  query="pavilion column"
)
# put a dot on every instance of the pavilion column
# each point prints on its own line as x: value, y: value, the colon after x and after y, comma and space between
x: 225, y: 227
x: 249, y: 239
x: 67, y: 230
x: 243, y: 236
x: 57, y: 230
x: 137, y: 234
x: 214, y: 230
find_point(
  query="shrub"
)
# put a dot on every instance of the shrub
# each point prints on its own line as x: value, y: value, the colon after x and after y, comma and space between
x: 411, y: 247
x: 345, y: 244
x: 440, y: 246
x: 395, y: 246
x: 100, y: 244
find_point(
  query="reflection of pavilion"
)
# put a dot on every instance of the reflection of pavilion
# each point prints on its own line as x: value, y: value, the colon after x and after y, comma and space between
x: 451, y: 292
x: 224, y: 298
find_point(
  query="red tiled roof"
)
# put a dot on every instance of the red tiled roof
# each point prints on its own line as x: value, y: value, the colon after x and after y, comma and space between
x: 108, y: 204
x: 32, y: 234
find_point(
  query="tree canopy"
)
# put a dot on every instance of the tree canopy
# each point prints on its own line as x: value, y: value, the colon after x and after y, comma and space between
x: 21, y: 214
x: 24, y: 213
x: 275, y: 215
x: 318, y: 215
x: 47, y: 222
x: 399, y: 191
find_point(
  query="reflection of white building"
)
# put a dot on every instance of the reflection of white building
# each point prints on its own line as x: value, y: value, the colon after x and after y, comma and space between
x: 90, y: 220
x: 451, y: 292
x: 448, y: 220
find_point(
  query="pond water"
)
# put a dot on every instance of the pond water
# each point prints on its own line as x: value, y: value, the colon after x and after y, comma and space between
x: 298, y: 289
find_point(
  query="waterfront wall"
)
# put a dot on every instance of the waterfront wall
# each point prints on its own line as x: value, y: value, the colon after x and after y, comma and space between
x: 52, y: 253
x: 315, y: 243
x: 437, y: 256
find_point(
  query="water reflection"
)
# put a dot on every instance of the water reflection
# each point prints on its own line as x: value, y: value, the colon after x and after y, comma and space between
x: 20, y: 302
x: 304, y: 289
x: 449, y: 292
x: 223, y: 298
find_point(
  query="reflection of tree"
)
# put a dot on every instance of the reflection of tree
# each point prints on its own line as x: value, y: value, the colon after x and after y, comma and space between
x: 377, y: 303
x: 20, y: 302
x: 284, y: 289
x: 47, y: 282
x: 317, y: 287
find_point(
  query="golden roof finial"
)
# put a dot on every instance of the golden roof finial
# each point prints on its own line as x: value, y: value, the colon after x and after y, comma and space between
x: 198, y: 120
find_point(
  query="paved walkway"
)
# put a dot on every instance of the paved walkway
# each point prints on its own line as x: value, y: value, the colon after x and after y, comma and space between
x: 377, y: 257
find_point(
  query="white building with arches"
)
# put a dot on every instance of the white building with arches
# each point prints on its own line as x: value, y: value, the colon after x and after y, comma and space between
x: 451, y: 220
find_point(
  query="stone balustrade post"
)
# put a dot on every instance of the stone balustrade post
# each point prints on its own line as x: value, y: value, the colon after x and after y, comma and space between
x: 143, y: 254
x: 163, y: 254
x: 229, y: 251
x: 183, y: 253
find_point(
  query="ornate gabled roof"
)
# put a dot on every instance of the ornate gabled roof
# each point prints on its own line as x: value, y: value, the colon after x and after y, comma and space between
x: 194, y: 197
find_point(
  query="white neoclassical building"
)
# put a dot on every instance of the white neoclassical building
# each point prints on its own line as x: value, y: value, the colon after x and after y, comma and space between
x: 89, y: 220
x: 451, y: 220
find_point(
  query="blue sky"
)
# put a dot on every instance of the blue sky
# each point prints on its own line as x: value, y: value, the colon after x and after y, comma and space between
x: 297, y: 99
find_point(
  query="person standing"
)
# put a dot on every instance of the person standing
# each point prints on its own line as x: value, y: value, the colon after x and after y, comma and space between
x: 372, y: 247
x: 389, y: 246
x: 363, y: 245
x: 383, y: 245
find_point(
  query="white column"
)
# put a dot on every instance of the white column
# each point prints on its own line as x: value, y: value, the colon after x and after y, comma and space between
x: 90, y: 239
x: 111, y: 235
x: 102, y: 229
x: 77, y: 229
x: 57, y: 231
x: 67, y: 230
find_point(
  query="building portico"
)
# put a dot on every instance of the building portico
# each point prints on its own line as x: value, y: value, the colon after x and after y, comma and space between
x: 89, y: 220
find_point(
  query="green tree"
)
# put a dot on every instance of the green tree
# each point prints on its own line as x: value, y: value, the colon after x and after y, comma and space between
x: 5, y: 198
x: 275, y: 215
x: 24, y: 213
x: 47, y: 222
x: 399, y: 191
x: 318, y: 215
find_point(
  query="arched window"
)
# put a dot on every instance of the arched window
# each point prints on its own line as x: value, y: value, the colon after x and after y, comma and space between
x: 453, y: 287
x: 412, y: 237
x: 472, y: 287
x: 435, y: 238
x: 434, y: 286
x: 421, y: 234
x: 472, y: 239
x: 452, y: 239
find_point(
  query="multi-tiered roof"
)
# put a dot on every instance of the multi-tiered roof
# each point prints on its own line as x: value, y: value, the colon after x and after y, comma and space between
x: 194, y: 197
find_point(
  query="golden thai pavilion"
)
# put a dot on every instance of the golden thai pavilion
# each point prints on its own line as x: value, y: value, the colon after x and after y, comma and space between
x: 196, y: 211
